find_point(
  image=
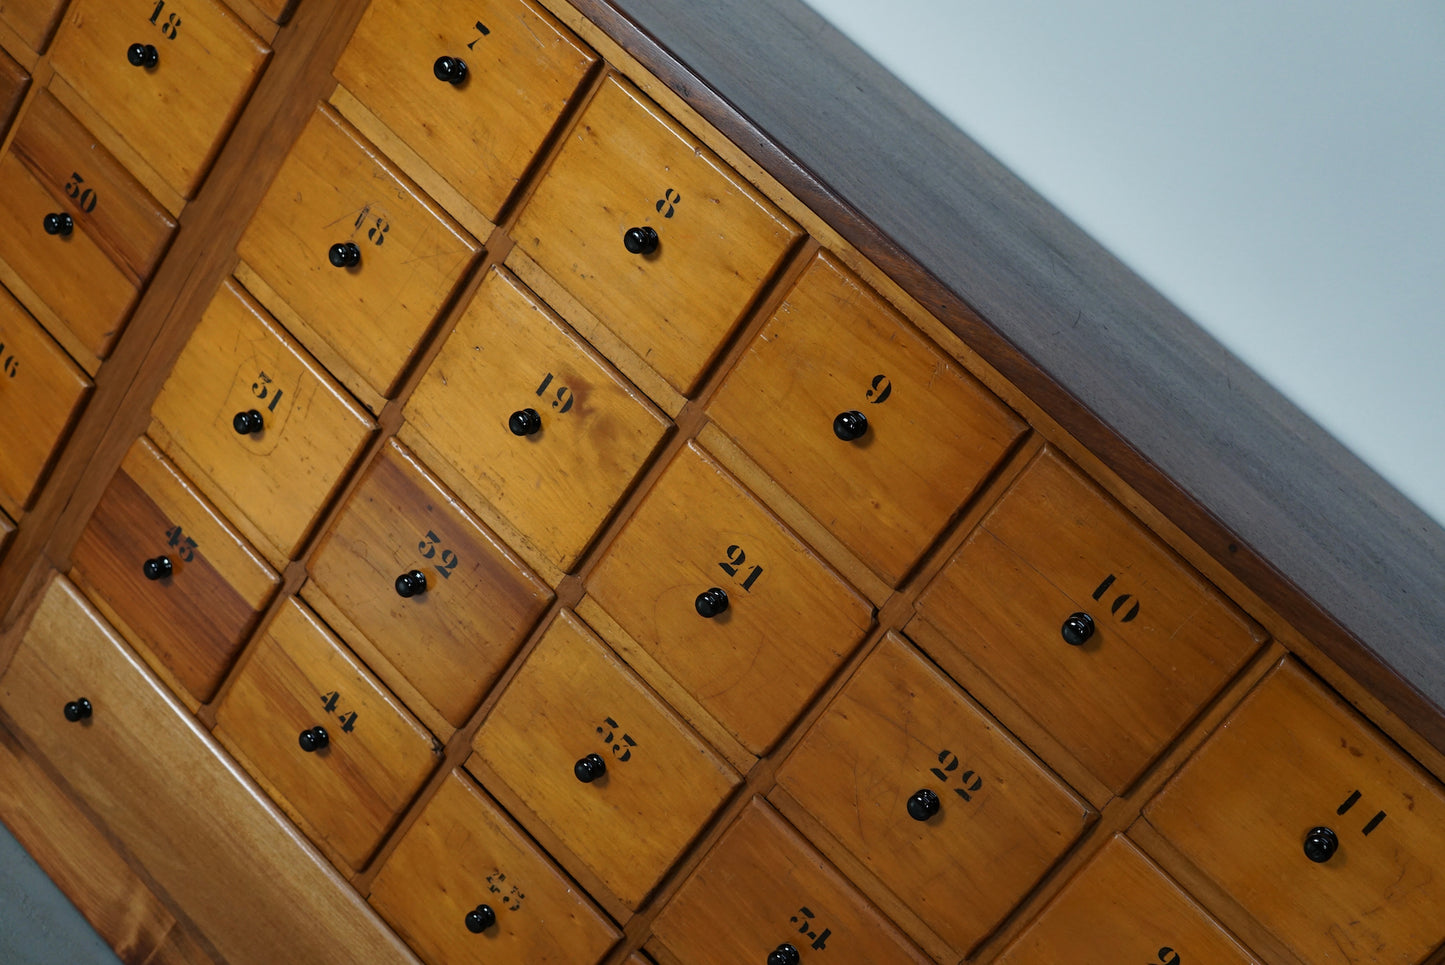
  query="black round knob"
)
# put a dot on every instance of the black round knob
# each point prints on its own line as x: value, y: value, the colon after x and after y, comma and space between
x: 784, y: 954
x: 480, y: 918
x: 850, y: 425
x: 640, y: 241
x: 142, y: 55
x: 411, y: 584
x: 524, y: 422
x: 58, y: 223
x: 248, y: 422
x: 77, y: 710
x: 313, y: 739
x: 589, y: 768
x: 1321, y: 845
x: 157, y: 569
x: 453, y: 70
x: 923, y: 805
x: 1077, y: 629
x: 711, y: 602
x: 344, y: 254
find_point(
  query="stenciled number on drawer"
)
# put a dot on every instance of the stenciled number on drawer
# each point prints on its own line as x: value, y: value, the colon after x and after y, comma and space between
x: 971, y: 782
x: 879, y: 390
x: 1167, y: 956
x: 667, y: 207
x: 170, y: 25
x: 562, y: 396
x: 376, y: 228
x: 428, y: 547
x: 84, y: 198
x: 734, y: 564
x: 1351, y: 801
x: 511, y: 896
x: 8, y: 363
x: 261, y: 389
x: 185, y: 546
x: 482, y: 30
x: 1120, y: 602
x: 622, y: 744
x: 804, y: 920
x: 330, y: 701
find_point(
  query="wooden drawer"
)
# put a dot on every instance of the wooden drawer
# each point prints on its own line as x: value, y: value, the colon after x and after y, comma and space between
x: 182, y: 810
x: 7, y: 530
x: 954, y: 816
x: 789, y: 619
x: 627, y: 165
x: 171, y: 573
x: 520, y: 70
x: 462, y: 854
x: 41, y: 393
x: 372, y: 303
x: 14, y: 82
x: 1055, y: 555
x: 1121, y: 908
x: 929, y: 434
x: 559, y: 480
x: 195, y: 64
x: 331, y: 744
x: 278, y: 479
x: 456, y: 631
x: 761, y: 887
x: 602, y: 761
x: 33, y: 20
x: 278, y: 10
x: 1291, y: 759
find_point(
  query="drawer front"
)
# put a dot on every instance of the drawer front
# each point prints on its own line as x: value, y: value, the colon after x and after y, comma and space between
x: 952, y: 815
x: 929, y: 433
x: 761, y: 887
x: 33, y: 20
x: 699, y: 539
x: 14, y: 82
x: 1056, y: 555
x: 1293, y: 758
x: 481, y: 128
x: 627, y: 165
x: 602, y: 761
x: 373, y: 302
x: 314, y: 727
x: 586, y: 437
x: 41, y: 393
x: 175, y: 111
x: 453, y: 632
x: 238, y: 362
x: 462, y: 854
x: 174, y: 576
x: 1121, y: 907
x: 178, y: 805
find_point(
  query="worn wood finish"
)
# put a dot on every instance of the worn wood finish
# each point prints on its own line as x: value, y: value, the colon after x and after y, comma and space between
x: 177, y: 113
x: 1163, y: 641
x: 762, y: 886
x: 238, y: 360
x: 189, y: 625
x: 573, y: 698
x: 297, y: 677
x: 183, y: 812
x: 933, y: 432
x: 335, y: 188
x: 627, y: 164
x: 521, y: 74
x: 509, y: 353
x: 452, y: 640
x: 41, y: 393
x: 464, y: 852
x: 1290, y: 758
x: 34, y: 21
x: 899, y: 727
x: 14, y: 82
x: 755, y: 665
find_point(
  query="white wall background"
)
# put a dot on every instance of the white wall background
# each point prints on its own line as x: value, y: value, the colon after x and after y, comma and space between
x: 1276, y: 169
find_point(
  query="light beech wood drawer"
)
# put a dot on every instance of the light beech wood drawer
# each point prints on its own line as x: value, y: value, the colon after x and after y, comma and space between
x: 602, y: 761
x: 951, y: 814
x: 184, y: 813
x: 1094, y: 627
x: 762, y: 887
x: 170, y: 77
x: 1315, y: 823
x: 356, y: 250
x: 549, y: 433
x: 473, y: 86
x: 314, y: 727
x: 465, y: 885
x: 629, y: 177
x: 870, y: 427
x: 1121, y: 908
x: 34, y: 21
x: 14, y: 82
x: 451, y: 633
x: 171, y: 573
x: 730, y: 603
